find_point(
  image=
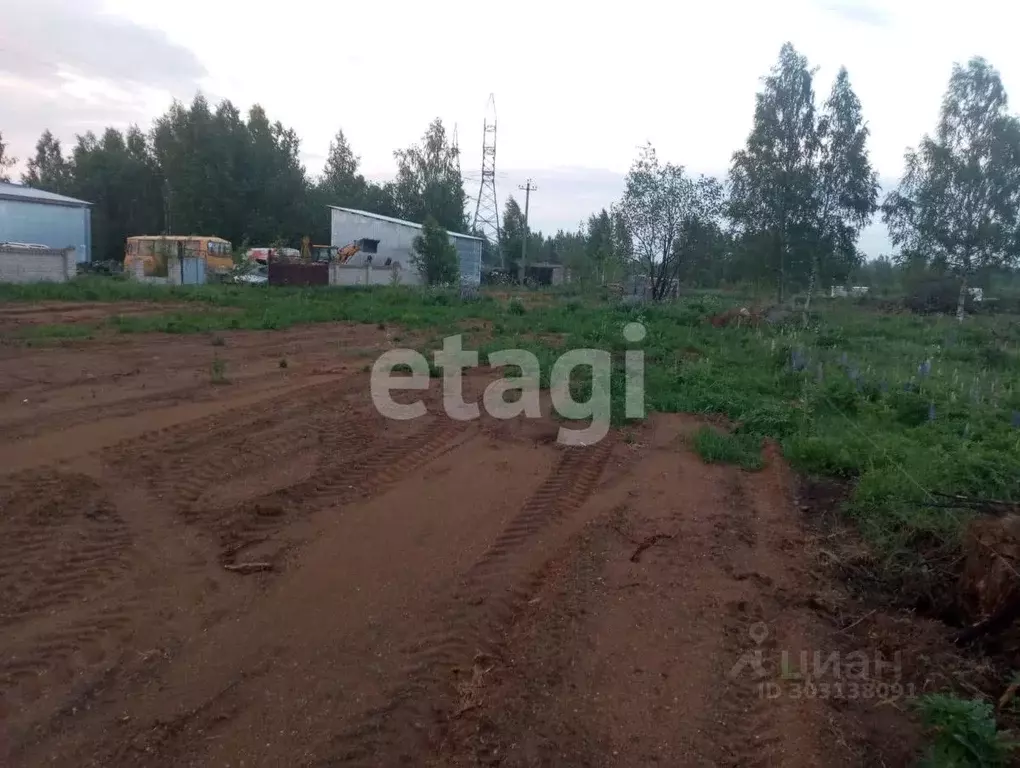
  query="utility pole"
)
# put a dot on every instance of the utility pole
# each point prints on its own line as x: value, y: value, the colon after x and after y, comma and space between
x: 528, y: 189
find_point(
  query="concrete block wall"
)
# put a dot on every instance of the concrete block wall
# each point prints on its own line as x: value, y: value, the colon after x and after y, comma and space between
x: 33, y: 265
x: 344, y: 274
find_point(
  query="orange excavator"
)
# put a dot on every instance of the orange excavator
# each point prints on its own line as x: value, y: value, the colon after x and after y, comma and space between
x: 345, y: 254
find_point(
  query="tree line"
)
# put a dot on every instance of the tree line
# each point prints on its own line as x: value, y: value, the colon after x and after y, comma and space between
x: 788, y: 214
x: 215, y: 171
x: 801, y: 190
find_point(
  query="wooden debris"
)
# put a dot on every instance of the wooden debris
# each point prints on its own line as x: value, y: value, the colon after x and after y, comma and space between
x: 245, y: 568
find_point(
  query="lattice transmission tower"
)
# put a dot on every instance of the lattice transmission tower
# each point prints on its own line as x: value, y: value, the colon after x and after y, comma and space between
x: 487, y: 206
x: 456, y: 149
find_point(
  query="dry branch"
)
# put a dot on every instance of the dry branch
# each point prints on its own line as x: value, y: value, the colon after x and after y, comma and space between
x: 245, y: 568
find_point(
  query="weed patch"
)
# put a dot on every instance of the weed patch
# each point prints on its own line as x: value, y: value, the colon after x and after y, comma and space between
x: 715, y: 447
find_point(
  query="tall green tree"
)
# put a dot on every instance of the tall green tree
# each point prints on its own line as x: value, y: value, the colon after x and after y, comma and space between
x: 600, y: 251
x: 772, y: 180
x: 658, y: 202
x: 704, y: 250
x: 429, y: 181
x: 241, y: 179
x: 958, y: 202
x: 275, y: 184
x: 6, y: 161
x: 381, y: 199
x: 48, y: 170
x: 623, y: 243
x: 846, y: 185
x: 434, y: 255
x: 117, y: 175
x: 193, y: 178
x: 512, y: 235
x: 340, y: 179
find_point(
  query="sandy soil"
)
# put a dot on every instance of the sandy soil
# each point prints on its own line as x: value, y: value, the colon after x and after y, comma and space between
x: 439, y: 592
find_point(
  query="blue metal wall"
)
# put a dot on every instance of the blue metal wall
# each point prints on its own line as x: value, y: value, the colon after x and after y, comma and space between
x: 58, y: 226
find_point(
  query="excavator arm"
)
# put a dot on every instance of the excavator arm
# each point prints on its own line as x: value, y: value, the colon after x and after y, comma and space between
x: 346, y: 253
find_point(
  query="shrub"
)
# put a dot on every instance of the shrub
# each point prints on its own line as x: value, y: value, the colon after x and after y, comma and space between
x: 964, y: 733
x: 434, y: 255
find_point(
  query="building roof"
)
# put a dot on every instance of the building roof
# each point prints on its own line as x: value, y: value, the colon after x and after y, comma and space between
x: 392, y: 220
x: 10, y: 191
x: 212, y: 238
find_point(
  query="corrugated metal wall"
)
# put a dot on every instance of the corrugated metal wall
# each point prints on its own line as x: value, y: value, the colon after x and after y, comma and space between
x: 58, y: 226
x: 396, y: 242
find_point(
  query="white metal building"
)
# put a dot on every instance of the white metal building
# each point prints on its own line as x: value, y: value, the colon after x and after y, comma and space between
x: 387, y: 241
x: 36, y: 217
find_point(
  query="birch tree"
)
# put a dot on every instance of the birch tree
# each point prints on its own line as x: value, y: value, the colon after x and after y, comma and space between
x: 772, y: 180
x: 846, y: 185
x: 658, y: 202
x: 958, y: 202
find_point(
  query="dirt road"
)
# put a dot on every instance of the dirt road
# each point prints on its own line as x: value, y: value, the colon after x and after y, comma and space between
x: 432, y: 592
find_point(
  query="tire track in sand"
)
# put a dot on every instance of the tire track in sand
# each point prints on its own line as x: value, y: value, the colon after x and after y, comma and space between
x: 61, y: 539
x: 753, y: 729
x: 438, y: 677
x: 62, y: 543
x: 357, y: 462
x: 180, y: 463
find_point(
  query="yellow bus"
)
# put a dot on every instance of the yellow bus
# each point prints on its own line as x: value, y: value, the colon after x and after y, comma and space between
x: 153, y: 252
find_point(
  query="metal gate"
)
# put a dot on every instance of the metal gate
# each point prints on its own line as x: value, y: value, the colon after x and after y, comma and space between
x: 282, y: 273
x: 192, y: 271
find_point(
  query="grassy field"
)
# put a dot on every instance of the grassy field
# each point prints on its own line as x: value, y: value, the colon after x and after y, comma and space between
x: 899, y: 407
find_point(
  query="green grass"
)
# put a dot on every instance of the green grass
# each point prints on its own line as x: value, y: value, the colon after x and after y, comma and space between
x: 218, y: 371
x: 715, y: 447
x: 900, y: 407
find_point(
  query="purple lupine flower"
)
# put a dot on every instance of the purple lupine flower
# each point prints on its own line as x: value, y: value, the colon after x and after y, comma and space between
x: 924, y: 368
x: 1016, y: 419
x: 843, y: 358
x: 931, y: 412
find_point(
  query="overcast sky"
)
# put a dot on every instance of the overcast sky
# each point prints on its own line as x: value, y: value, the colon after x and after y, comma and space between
x: 578, y: 85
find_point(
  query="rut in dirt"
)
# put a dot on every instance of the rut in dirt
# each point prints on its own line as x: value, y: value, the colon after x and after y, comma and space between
x: 440, y: 592
x: 441, y: 665
x: 626, y: 650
